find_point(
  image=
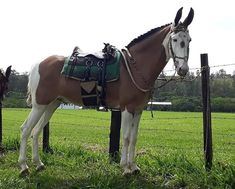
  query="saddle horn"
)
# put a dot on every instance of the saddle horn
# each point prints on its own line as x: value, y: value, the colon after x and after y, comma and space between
x: 189, y: 18
x: 178, y: 16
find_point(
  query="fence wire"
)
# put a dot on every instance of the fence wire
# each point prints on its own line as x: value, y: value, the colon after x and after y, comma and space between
x: 199, y: 69
x: 106, y: 123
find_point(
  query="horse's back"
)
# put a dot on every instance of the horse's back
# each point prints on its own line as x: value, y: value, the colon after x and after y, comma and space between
x: 52, y: 85
x: 51, y: 66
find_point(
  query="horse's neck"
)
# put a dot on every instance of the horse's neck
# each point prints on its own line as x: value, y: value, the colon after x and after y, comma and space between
x: 150, y: 56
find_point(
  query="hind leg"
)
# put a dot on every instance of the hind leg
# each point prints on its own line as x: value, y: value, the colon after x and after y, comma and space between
x: 26, y: 128
x: 50, y: 109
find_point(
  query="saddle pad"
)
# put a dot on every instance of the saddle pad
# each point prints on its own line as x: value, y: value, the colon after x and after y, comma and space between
x: 79, y: 70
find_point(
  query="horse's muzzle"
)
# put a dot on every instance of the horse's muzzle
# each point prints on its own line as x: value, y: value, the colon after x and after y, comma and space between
x: 182, y: 71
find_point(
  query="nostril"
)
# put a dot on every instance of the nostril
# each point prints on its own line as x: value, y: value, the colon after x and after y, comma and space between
x: 180, y: 70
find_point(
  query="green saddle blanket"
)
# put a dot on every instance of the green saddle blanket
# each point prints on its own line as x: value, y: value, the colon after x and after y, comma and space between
x: 90, y: 67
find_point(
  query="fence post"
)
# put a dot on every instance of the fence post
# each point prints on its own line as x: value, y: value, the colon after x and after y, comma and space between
x: 114, y: 137
x: 207, y: 131
x: 45, y: 139
x: 1, y: 147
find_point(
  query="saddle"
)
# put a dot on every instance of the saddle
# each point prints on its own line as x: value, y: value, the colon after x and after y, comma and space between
x: 90, y: 67
x: 94, y: 71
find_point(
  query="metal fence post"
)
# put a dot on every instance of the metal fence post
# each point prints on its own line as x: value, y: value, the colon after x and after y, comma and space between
x: 114, y: 141
x: 207, y: 131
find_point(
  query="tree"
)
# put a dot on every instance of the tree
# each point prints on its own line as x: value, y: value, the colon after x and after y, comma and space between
x: 18, y: 82
x: 17, y: 90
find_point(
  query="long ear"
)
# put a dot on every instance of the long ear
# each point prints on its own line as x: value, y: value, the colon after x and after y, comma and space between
x: 8, y: 72
x: 189, y: 18
x: 178, y: 16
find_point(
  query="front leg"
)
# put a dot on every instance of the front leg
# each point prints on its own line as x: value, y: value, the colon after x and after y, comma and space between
x: 130, y: 124
x: 125, y: 125
x: 133, y: 139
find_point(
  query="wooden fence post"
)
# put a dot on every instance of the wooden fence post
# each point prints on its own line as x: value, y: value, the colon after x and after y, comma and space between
x: 45, y: 140
x: 114, y: 140
x: 207, y: 131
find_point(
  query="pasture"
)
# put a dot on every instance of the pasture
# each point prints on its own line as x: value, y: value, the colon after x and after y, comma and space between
x: 169, y: 152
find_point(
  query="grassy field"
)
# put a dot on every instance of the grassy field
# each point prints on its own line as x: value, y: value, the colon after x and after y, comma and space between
x: 169, y: 152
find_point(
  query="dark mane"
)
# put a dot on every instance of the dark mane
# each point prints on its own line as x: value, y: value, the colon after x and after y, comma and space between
x: 144, y: 36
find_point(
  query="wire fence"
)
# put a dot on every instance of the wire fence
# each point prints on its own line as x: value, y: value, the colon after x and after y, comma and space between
x: 164, y: 128
x: 11, y: 125
x: 199, y: 68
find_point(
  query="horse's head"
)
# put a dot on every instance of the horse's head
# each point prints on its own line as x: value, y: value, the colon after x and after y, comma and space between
x: 179, y: 42
x: 4, y: 78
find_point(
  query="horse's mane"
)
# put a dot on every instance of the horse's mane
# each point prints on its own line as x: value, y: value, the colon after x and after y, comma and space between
x: 144, y: 36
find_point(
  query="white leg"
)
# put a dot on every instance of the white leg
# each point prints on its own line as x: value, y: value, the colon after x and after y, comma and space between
x: 133, y: 139
x: 26, y: 129
x: 50, y: 109
x: 130, y: 123
x: 125, y: 125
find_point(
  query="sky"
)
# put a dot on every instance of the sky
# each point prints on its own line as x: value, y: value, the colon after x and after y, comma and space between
x: 32, y: 30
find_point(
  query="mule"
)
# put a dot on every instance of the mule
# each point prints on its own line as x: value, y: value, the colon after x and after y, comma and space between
x: 142, y: 61
x: 4, y: 79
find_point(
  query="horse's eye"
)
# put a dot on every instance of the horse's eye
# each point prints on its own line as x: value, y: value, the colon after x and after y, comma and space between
x: 175, y: 40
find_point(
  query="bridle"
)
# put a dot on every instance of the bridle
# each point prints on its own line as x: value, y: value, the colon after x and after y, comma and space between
x: 172, y: 53
x: 174, y: 57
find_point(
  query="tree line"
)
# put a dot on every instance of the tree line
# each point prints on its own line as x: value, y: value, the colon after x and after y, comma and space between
x: 185, y: 95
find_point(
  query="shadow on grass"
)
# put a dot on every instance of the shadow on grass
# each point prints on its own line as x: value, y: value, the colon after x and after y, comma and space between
x: 94, y: 180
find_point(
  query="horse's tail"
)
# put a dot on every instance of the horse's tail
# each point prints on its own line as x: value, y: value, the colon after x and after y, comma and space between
x: 33, y: 80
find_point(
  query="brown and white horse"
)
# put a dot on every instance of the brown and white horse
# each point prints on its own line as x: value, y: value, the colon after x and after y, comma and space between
x: 141, y: 63
x: 4, y: 79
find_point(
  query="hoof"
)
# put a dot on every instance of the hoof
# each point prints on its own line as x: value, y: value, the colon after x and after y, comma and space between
x: 40, y: 168
x: 127, y: 173
x: 136, y: 172
x: 24, y: 173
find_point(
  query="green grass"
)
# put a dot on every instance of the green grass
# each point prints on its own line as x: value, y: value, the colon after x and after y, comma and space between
x: 169, y: 152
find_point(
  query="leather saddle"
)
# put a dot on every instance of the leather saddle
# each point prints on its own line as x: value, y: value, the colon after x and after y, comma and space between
x: 96, y: 58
